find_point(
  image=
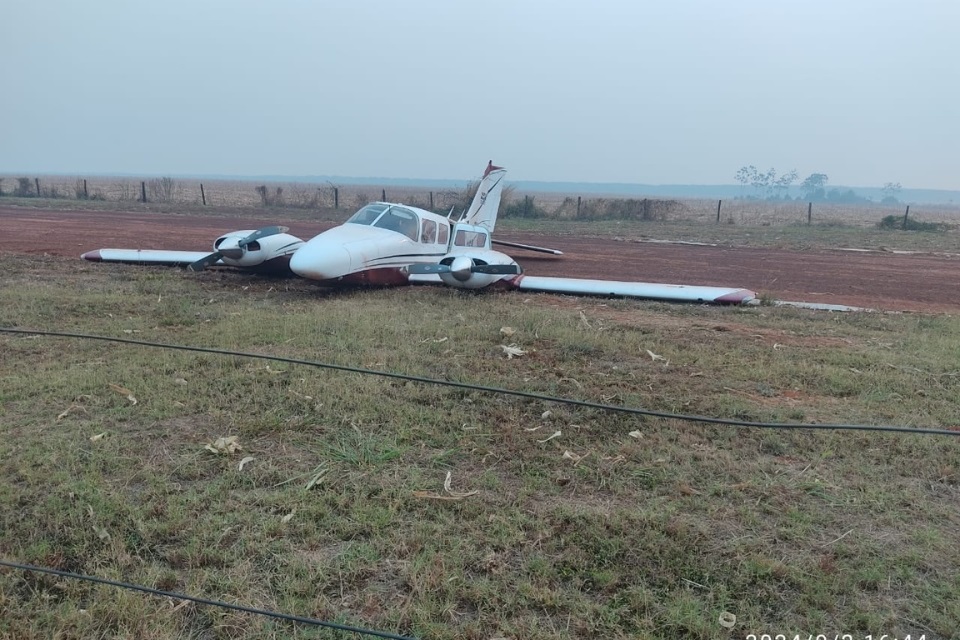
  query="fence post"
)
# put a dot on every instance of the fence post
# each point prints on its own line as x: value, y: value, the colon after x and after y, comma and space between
x: 719, y: 202
x: 36, y: 181
x: 383, y: 195
x: 203, y: 196
x: 578, y: 205
x: 143, y: 191
x: 809, y: 212
x: 431, y: 200
x: 86, y: 196
x: 905, y: 214
x: 336, y: 198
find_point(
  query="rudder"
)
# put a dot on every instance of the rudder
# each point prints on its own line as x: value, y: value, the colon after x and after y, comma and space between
x: 486, y: 203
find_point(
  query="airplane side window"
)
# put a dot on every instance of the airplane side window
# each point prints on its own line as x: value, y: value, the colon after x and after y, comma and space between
x: 444, y: 234
x: 428, y: 232
x: 470, y: 239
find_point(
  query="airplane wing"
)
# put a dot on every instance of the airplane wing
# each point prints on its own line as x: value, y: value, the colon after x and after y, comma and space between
x: 655, y: 291
x: 265, y: 250
x: 146, y: 256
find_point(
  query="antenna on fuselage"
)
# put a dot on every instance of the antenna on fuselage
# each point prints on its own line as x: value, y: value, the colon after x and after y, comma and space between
x: 451, y: 211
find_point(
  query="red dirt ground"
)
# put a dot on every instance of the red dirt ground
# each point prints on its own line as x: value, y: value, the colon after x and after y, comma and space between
x: 894, y: 282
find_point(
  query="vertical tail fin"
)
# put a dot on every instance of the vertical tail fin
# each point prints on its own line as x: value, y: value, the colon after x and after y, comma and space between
x: 486, y: 204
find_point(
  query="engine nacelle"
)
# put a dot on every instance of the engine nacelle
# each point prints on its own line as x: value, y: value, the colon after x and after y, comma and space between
x: 477, y: 268
x: 268, y: 251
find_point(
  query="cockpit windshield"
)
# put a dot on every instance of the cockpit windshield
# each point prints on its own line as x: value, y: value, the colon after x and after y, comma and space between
x: 368, y: 214
x: 390, y: 217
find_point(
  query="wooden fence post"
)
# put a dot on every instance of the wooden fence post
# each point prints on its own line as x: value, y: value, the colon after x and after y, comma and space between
x: 86, y: 196
x: 203, y: 196
x: 336, y: 198
x: 383, y: 195
x: 143, y: 191
x: 719, y: 202
x: 809, y: 212
x: 578, y: 205
x: 905, y: 214
x: 431, y: 200
x: 36, y: 181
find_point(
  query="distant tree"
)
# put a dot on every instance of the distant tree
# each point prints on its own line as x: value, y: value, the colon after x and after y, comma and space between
x: 814, y: 186
x: 783, y: 184
x: 890, y: 192
x: 763, y: 183
x: 844, y: 197
x: 745, y: 176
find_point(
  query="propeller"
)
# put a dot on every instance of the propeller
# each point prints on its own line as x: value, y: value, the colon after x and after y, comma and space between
x: 262, y: 233
x: 212, y: 258
x: 462, y: 267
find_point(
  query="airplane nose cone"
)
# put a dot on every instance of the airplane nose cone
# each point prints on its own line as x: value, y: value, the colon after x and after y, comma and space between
x: 320, y: 262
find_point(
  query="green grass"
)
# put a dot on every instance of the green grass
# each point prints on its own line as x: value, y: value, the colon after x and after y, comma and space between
x: 650, y: 537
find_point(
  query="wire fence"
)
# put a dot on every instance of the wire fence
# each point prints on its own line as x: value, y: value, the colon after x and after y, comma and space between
x: 550, y: 205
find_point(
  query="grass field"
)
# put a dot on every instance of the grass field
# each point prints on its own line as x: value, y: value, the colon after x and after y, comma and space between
x: 560, y: 522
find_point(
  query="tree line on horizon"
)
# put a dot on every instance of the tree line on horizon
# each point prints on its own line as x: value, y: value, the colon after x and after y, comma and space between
x: 767, y: 185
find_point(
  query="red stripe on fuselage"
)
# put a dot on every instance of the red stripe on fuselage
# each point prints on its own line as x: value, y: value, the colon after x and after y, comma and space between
x: 386, y: 276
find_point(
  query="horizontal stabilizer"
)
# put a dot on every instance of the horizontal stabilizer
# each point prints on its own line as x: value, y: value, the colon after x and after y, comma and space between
x: 528, y: 247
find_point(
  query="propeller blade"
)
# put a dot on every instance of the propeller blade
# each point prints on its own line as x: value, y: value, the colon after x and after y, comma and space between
x: 204, y: 262
x: 262, y: 233
x: 492, y: 269
x: 497, y: 269
x: 427, y: 268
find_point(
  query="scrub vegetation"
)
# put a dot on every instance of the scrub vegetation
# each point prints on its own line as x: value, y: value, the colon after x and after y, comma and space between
x: 556, y: 522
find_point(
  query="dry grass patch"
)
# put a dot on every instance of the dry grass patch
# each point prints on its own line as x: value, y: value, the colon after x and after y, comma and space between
x: 618, y: 526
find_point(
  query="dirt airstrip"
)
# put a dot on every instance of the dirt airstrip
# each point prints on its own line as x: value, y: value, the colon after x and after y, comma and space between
x: 881, y: 280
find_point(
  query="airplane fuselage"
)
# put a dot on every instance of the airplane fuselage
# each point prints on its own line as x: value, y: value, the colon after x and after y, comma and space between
x: 376, y: 245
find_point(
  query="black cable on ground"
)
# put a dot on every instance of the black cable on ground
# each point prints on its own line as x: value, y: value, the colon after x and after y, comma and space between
x: 212, y: 603
x: 495, y: 390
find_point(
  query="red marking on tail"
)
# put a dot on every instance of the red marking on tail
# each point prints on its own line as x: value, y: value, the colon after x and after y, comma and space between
x: 490, y: 167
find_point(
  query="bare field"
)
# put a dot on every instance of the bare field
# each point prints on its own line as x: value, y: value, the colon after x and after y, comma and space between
x: 560, y: 206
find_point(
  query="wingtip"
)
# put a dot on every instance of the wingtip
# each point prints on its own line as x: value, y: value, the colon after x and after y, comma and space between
x: 92, y: 256
x: 740, y: 296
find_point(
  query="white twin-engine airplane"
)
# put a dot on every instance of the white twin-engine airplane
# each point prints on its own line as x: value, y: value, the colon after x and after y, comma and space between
x: 392, y: 244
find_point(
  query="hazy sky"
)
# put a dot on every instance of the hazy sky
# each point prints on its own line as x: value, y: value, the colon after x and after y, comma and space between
x: 866, y: 91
